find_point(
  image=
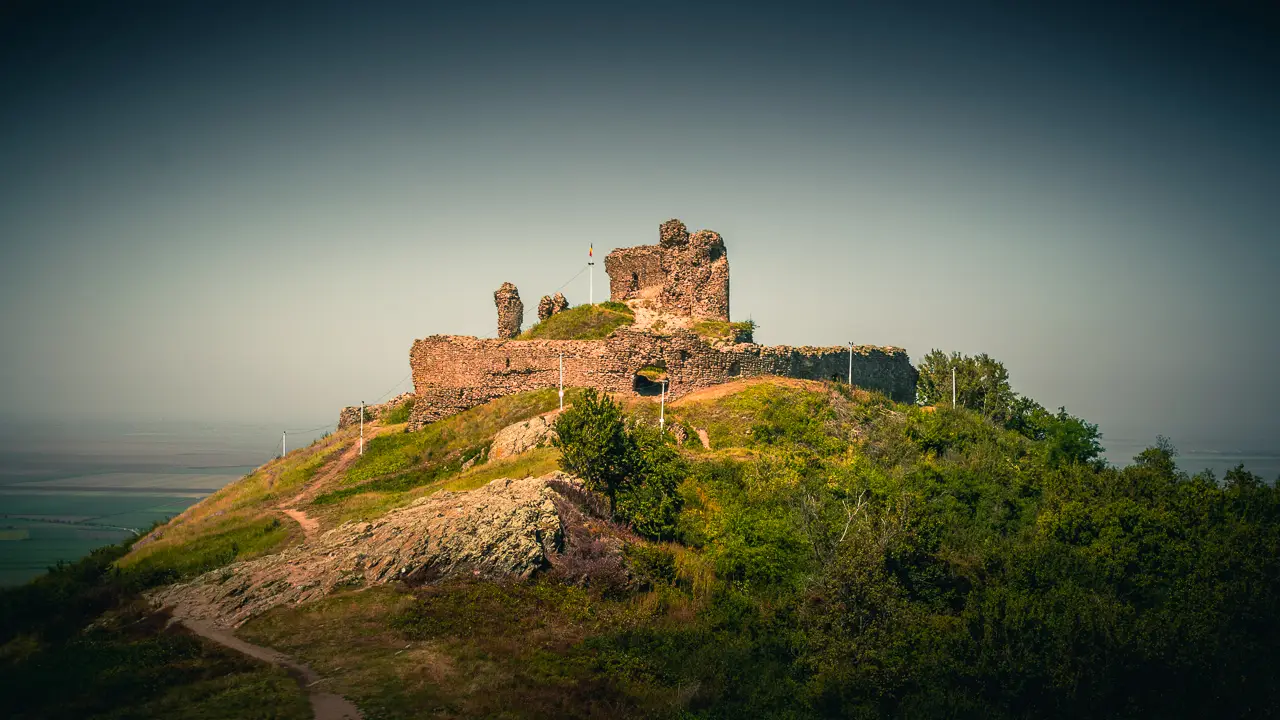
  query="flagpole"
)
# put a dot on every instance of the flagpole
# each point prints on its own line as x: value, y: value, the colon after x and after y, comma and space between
x: 591, y: 273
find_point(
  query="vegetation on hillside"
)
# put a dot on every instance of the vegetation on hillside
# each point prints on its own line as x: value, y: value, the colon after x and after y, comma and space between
x: 80, y: 642
x: 833, y: 554
x: 584, y: 322
x: 397, y: 467
x: 743, y: 331
x: 635, y: 467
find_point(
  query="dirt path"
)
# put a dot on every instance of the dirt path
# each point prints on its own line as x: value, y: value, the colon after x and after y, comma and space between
x: 310, y: 526
x: 324, y: 705
x: 332, y: 472
x: 729, y: 388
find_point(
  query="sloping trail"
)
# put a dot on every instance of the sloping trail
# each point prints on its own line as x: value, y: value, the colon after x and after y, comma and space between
x: 331, y: 473
x: 716, y: 392
x: 324, y: 705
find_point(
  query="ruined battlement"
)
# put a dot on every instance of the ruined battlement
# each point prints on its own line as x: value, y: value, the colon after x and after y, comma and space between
x: 683, y: 274
x: 452, y: 373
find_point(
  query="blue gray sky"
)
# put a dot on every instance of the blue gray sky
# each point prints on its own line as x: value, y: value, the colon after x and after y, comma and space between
x: 246, y: 211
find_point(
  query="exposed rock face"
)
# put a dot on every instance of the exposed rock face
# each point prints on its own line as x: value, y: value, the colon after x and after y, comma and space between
x: 524, y: 436
x: 683, y: 274
x: 510, y: 310
x: 550, y: 305
x: 506, y: 528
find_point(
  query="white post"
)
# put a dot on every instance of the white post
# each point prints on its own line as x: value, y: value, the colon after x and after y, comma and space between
x: 953, y: 387
x: 850, y: 364
x: 361, y: 427
x: 591, y: 273
x: 283, y: 448
x: 562, y: 381
x: 662, y: 409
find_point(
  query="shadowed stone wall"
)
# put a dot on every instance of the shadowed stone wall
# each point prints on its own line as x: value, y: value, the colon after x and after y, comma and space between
x: 452, y: 373
x: 685, y: 274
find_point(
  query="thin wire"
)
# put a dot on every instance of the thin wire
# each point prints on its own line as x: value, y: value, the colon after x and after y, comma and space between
x: 575, y: 277
x: 308, y: 430
x: 393, y: 388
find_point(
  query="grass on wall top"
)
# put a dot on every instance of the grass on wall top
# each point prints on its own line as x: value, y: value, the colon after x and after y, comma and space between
x: 584, y: 322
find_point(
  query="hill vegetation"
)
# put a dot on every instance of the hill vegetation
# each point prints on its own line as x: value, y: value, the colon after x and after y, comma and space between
x: 832, y: 554
x: 584, y: 322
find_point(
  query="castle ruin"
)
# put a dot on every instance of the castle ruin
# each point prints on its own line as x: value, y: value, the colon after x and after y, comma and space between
x: 684, y: 275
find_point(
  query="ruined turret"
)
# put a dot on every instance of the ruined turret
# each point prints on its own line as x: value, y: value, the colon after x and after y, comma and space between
x: 510, y: 310
x: 683, y: 274
x: 550, y: 305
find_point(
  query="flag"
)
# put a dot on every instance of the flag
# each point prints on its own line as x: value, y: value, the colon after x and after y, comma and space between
x: 591, y: 250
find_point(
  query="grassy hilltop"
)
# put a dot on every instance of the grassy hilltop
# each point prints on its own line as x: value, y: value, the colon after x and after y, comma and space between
x: 830, y: 554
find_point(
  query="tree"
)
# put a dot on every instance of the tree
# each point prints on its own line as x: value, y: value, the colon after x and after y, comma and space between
x: 648, y: 500
x: 982, y: 383
x: 594, y: 444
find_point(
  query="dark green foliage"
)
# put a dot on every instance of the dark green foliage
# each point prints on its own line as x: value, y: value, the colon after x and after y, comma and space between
x: 652, y: 565
x: 80, y: 642
x: 637, y: 469
x: 649, y: 501
x: 594, y: 444
x: 982, y: 383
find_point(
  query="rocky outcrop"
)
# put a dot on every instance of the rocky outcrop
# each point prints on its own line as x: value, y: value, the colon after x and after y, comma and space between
x: 524, y: 436
x: 508, y: 528
x: 550, y: 305
x: 510, y: 310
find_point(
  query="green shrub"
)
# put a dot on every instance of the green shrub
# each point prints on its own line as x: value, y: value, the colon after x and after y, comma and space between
x: 653, y: 565
x: 399, y: 414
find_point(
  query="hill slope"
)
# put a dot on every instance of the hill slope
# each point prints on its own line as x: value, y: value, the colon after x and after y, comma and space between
x: 835, y: 554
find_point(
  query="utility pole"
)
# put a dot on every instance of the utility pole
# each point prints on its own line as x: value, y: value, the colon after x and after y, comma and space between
x: 361, y: 427
x: 953, y: 387
x: 662, y: 409
x: 851, y: 363
x: 283, y: 436
x: 562, y: 382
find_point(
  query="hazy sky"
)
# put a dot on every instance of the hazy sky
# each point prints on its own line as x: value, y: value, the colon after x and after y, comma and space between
x: 233, y: 211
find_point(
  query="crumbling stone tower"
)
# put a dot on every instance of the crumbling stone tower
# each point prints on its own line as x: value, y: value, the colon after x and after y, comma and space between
x: 683, y: 274
x: 550, y: 305
x: 510, y: 310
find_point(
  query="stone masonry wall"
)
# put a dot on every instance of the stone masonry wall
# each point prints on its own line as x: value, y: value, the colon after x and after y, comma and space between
x: 350, y: 415
x: 686, y: 274
x: 452, y: 373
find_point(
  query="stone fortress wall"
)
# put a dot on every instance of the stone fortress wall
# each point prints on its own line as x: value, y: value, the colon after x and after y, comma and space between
x: 683, y: 274
x: 453, y: 373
